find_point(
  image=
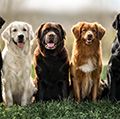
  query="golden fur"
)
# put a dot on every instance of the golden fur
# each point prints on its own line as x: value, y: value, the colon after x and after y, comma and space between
x: 86, y: 61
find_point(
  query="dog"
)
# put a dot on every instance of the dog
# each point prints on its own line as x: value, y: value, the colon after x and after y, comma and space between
x: 86, y: 60
x: 116, y: 26
x: 51, y: 63
x: 2, y: 21
x: 18, y: 87
x: 113, y: 70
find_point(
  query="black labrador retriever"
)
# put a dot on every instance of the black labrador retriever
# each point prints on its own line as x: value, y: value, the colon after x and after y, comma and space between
x: 113, y: 73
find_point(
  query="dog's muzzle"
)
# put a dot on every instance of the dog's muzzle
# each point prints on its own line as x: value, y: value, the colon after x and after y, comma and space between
x: 20, y: 42
x: 50, y: 42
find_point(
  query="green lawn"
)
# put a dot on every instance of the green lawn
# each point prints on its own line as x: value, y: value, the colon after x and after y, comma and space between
x: 66, y: 109
x: 63, y: 110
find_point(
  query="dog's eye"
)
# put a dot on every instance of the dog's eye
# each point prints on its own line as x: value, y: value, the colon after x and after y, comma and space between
x: 83, y: 30
x: 56, y: 31
x: 93, y: 30
x: 47, y: 30
x: 24, y: 29
x: 14, y: 30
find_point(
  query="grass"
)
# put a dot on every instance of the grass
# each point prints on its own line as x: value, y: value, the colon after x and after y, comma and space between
x: 67, y: 109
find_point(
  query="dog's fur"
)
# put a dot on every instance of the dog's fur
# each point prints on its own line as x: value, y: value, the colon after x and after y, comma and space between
x: 51, y: 63
x: 2, y: 21
x: 17, y: 84
x: 86, y: 61
x: 113, y: 73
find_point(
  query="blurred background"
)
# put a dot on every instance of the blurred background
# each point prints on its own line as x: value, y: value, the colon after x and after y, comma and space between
x: 65, y: 12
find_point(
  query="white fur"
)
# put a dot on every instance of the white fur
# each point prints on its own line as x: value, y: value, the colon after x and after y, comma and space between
x: 89, y: 67
x: 16, y: 79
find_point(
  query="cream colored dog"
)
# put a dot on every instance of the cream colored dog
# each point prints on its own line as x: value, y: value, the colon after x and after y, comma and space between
x: 17, y: 83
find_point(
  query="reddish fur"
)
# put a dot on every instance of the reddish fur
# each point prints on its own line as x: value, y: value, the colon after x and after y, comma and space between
x: 80, y: 55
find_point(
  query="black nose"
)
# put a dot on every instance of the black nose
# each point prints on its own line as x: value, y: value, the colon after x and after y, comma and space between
x: 89, y: 36
x: 51, y: 36
x: 21, y: 36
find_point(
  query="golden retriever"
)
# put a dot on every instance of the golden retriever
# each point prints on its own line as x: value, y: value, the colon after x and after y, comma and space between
x: 86, y: 61
x: 16, y: 81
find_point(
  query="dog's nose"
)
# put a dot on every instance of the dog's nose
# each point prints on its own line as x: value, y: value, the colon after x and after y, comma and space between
x: 89, y: 36
x: 21, y: 36
x: 51, y: 36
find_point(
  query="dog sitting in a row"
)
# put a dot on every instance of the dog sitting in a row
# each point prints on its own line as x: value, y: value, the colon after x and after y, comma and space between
x: 51, y: 63
x: 113, y: 73
x: 17, y: 84
x: 111, y: 86
x: 86, y: 61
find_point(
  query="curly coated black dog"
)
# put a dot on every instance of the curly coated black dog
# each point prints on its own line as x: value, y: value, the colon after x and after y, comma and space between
x: 51, y: 63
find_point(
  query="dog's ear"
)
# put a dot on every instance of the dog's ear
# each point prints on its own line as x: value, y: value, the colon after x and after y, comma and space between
x: 100, y: 30
x: 38, y: 31
x: 62, y: 31
x: 2, y: 21
x: 116, y: 22
x: 76, y: 29
x: 6, y: 34
x: 30, y: 31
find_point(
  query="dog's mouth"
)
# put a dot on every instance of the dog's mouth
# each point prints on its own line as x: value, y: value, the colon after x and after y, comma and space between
x: 50, y: 45
x: 89, y: 38
x: 89, y: 41
x: 50, y: 41
x: 21, y: 44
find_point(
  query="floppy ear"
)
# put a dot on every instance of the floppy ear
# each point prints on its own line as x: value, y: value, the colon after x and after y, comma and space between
x: 76, y: 29
x: 62, y: 31
x: 2, y: 21
x: 101, y: 31
x: 6, y: 34
x: 116, y: 22
x: 38, y: 31
x: 30, y: 31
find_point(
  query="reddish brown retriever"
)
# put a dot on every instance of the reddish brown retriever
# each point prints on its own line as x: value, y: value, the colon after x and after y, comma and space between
x: 86, y: 62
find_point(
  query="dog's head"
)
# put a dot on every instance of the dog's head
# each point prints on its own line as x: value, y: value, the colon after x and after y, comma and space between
x: 116, y: 23
x: 18, y: 33
x: 50, y: 36
x: 2, y: 21
x: 88, y: 32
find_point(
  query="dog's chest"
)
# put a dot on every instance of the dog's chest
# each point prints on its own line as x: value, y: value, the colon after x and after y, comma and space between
x: 19, y: 66
x: 52, y: 66
x: 52, y: 69
x: 87, y: 67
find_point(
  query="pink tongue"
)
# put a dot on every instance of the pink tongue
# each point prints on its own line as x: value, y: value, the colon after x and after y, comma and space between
x: 50, y: 45
x: 20, y: 45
